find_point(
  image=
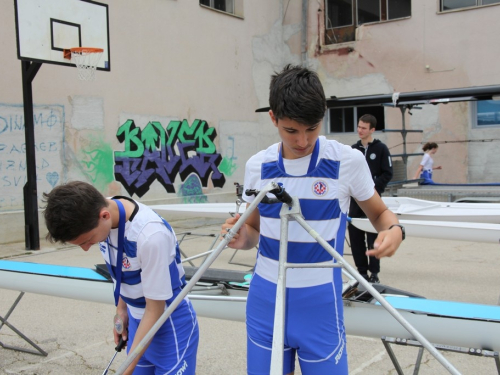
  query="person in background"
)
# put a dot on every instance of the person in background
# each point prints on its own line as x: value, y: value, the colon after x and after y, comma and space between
x: 379, y: 161
x: 323, y: 174
x: 426, y: 165
x: 148, y: 278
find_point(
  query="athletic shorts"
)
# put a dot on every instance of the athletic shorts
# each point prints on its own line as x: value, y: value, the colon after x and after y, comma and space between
x: 314, y: 329
x: 173, y: 348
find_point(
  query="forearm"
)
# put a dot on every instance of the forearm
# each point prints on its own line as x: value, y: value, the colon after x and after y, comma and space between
x: 384, y: 220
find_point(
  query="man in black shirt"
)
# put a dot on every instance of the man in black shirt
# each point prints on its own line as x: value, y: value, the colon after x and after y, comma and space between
x: 379, y: 161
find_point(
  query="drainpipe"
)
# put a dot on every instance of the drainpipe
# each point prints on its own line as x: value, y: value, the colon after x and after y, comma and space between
x: 304, y: 33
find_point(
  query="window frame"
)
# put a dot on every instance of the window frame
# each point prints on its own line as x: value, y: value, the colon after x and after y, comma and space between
x: 237, y: 8
x: 379, y: 110
x: 347, y: 33
x: 479, y: 4
x: 474, y: 122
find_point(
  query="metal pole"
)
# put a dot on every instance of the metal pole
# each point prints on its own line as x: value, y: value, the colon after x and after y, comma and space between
x: 279, y: 311
x: 412, y: 330
x: 192, y: 282
x: 31, y: 230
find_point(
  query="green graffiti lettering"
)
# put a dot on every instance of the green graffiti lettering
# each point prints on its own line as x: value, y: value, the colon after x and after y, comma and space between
x: 130, y: 134
x: 152, y: 133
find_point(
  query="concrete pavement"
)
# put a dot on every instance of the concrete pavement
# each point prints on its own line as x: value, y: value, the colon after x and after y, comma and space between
x: 77, y: 335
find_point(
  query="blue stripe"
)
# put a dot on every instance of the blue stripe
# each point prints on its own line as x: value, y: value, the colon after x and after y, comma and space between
x: 51, y: 270
x: 327, y: 169
x: 312, y: 209
x: 138, y: 302
x: 130, y: 248
x: 298, y: 252
x: 446, y: 308
x: 131, y: 277
x: 271, y: 170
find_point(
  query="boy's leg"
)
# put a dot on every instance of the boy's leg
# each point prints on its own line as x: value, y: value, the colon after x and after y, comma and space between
x: 260, y: 323
x: 174, y: 347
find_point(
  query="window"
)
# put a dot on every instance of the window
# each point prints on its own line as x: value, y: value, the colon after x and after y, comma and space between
x: 343, y: 16
x: 345, y: 120
x: 486, y: 113
x: 459, y: 4
x: 222, y: 5
x: 232, y: 7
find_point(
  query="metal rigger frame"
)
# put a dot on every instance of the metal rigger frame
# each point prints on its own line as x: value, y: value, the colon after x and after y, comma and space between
x: 290, y: 210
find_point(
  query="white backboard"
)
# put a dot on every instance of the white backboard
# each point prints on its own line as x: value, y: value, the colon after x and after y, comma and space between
x: 46, y: 27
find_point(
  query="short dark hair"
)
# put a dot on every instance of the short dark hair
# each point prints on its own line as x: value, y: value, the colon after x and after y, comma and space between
x: 430, y: 146
x: 369, y: 119
x: 71, y: 210
x: 296, y: 93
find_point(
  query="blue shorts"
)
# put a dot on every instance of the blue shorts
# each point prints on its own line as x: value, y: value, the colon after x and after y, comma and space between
x: 314, y: 328
x: 173, y: 348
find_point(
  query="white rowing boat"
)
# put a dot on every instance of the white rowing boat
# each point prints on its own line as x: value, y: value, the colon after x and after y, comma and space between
x: 448, y: 230
x: 212, y: 210
x: 418, y: 209
x: 222, y: 294
x: 405, y: 208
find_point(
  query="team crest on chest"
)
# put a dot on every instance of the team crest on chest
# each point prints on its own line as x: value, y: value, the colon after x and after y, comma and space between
x: 126, y: 263
x: 320, y: 188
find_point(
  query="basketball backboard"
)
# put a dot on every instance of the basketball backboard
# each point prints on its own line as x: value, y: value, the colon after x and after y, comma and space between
x: 46, y: 27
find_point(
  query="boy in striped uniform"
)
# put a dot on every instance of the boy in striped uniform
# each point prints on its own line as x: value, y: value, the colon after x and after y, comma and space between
x: 323, y: 174
x: 149, y: 276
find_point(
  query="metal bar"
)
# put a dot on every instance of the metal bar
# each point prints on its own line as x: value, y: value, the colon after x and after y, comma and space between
x: 279, y: 311
x: 392, y: 356
x: 39, y: 351
x: 447, y: 365
x: 419, y: 361
x: 192, y: 282
x: 31, y: 228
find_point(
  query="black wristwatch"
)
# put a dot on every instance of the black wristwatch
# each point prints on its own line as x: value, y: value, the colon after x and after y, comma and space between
x: 402, y: 230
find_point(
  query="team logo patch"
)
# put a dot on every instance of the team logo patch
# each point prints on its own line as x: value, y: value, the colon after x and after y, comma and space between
x: 373, y: 156
x: 320, y: 188
x: 126, y: 263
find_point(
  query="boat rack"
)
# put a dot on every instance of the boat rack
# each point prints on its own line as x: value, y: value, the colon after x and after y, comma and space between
x: 3, y: 321
x: 388, y: 341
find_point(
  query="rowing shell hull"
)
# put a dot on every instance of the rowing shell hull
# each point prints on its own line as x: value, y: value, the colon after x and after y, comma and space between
x: 447, y: 230
x: 361, y: 318
x: 419, y: 209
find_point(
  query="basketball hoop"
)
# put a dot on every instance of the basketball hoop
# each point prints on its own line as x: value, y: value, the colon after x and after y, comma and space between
x: 85, y: 59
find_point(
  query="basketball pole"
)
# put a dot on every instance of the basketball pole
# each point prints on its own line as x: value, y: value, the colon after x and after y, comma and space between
x: 30, y: 194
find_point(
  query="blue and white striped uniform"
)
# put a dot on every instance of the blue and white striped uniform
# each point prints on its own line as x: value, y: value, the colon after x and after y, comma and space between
x: 151, y: 268
x: 314, y: 311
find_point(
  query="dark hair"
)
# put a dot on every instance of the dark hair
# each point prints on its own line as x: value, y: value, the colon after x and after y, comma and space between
x: 369, y: 119
x: 430, y: 146
x: 297, y: 93
x: 72, y: 209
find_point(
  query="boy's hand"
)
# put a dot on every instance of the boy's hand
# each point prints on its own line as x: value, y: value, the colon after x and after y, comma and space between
x: 386, y: 243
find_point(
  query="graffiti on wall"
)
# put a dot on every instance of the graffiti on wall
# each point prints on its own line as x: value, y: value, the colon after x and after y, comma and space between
x: 228, y: 165
x: 48, y: 123
x: 161, y: 154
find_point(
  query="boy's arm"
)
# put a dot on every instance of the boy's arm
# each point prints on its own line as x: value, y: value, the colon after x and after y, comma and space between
x: 382, y: 218
x: 248, y: 235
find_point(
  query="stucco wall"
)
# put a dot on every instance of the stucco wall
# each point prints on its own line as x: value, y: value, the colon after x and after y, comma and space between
x: 196, y: 76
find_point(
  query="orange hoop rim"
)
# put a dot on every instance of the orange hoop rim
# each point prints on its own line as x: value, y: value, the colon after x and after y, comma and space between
x: 67, y: 52
x: 86, y: 49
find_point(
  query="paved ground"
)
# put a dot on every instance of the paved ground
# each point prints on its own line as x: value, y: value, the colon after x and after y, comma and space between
x: 78, y: 335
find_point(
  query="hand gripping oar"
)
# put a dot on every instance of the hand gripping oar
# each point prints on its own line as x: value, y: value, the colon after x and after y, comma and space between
x: 118, y: 322
x: 118, y: 349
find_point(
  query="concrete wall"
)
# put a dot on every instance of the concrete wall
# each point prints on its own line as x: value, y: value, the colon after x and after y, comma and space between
x: 191, y: 74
